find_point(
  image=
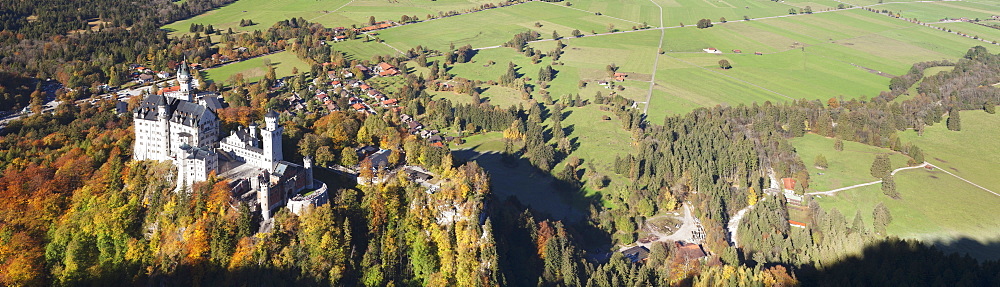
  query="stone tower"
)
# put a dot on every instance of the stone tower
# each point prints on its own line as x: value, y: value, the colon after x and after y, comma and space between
x: 262, y: 183
x: 271, y: 137
x: 307, y: 164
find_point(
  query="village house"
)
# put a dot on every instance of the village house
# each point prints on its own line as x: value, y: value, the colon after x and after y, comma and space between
x: 689, y: 251
x: 620, y: 77
x: 385, y: 70
x: 637, y: 254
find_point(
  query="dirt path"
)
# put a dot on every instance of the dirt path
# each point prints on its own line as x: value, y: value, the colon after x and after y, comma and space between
x: 832, y: 192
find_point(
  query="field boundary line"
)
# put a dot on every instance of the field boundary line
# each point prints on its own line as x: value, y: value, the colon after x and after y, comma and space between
x: 334, y: 10
x: 965, y: 180
x: 394, y: 48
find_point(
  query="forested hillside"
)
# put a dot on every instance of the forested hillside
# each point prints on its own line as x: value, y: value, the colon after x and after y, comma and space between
x: 76, y: 209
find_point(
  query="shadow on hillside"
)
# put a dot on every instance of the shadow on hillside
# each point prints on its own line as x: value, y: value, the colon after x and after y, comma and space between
x: 530, y: 186
x: 895, y: 262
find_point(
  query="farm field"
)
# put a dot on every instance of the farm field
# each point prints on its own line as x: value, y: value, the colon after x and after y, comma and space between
x: 971, y: 29
x: 263, y: 12
x: 845, y: 168
x: 503, y: 23
x: 361, y: 50
x: 816, y: 5
x: 331, y: 13
x: 359, y: 11
x: 254, y: 69
x: 688, y: 12
x: 932, y: 12
x: 816, y: 56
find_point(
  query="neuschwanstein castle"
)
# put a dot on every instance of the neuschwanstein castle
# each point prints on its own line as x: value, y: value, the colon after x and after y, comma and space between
x: 182, y: 126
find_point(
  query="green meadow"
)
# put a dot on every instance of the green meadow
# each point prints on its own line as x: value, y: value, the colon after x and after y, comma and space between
x: 331, y: 13
x: 844, y: 168
x: 934, y: 11
x: 361, y: 50
x: 969, y: 153
x: 688, y: 12
x: 263, y: 12
x: 496, y: 26
x: 816, y: 56
x: 971, y: 29
x: 254, y: 69
x: 935, y: 206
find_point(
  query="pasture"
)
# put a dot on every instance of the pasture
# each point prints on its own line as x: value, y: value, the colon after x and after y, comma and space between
x: 816, y: 56
x: 935, y: 206
x: 969, y: 153
x: 496, y: 26
x: 971, y: 29
x: 934, y: 11
x: 254, y: 69
x: 688, y: 12
x: 331, y: 13
x: 361, y: 50
x: 845, y: 168
x: 263, y: 12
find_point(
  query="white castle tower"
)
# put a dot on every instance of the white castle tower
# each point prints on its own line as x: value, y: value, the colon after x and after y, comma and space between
x: 184, y: 80
x: 271, y: 138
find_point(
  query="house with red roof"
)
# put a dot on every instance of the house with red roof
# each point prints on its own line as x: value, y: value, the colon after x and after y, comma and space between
x: 620, y: 77
x: 385, y: 69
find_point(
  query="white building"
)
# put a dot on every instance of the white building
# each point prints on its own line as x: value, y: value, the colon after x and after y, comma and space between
x: 171, y: 126
x: 176, y: 125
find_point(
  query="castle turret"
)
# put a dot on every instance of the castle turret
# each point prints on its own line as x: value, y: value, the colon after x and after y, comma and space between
x: 307, y: 164
x: 263, y: 187
x: 271, y: 138
x: 162, y: 109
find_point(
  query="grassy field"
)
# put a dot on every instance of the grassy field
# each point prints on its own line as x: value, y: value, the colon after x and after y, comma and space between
x: 935, y: 206
x: 361, y: 50
x: 845, y: 168
x: 254, y: 69
x: 332, y: 13
x: 689, y: 12
x: 970, y: 153
x: 360, y: 10
x: 816, y: 56
x: 932, y: 12
x: 263, y: 12
x: 982, y: 32
x: 503, y: 23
